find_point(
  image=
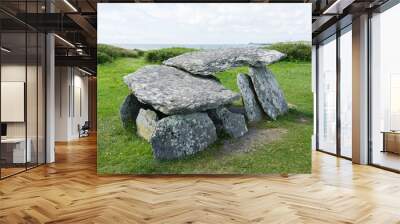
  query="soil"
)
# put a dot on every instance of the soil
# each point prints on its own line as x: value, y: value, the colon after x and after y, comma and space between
x: 251, y: 140
x: 302, y: 120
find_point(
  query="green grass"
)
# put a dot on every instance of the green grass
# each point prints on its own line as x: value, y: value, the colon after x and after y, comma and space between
x: 121, y: 151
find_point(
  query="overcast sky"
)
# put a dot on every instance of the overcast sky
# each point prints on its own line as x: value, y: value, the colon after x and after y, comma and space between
x: 146, y: 23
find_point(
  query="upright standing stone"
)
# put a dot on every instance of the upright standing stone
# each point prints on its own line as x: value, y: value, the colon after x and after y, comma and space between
x: 253, y: 110
x: 230, y: 123
x: 181, y: 135
x: 268, y: 91
x: 146, y: 122
x: 129, y: 110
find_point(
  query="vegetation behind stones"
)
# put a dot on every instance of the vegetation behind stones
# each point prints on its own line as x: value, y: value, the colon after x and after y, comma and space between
x: 160, y: 55
x: 108, y: 53
x: 295, y: 51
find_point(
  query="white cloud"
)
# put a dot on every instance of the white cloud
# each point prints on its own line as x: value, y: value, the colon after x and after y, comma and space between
x: 135, y: 23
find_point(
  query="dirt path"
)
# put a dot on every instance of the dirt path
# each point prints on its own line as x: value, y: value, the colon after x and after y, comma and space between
x: 255, y: 137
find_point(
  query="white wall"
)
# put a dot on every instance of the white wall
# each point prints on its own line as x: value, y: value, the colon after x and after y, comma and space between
x: 314, y: 91
x: 62, y: 82
x: 346, y: 76
x: 17, y: 72
x: 14, y: 72
x: 79, y: 117
x: 34, y: 125
x: 70, y: 83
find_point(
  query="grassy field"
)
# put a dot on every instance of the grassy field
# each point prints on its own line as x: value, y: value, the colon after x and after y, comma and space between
x: 122, y: 151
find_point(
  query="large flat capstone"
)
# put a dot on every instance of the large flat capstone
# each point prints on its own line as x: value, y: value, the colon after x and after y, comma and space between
x: 268, y: 91
x: 173, y: 91
x: 181, y: 135
x: 208, y: 62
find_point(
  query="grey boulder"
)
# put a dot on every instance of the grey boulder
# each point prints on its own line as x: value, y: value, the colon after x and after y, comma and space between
x: 253, y: 110
x: 208, y: 62
x: 268, y: 91
x: 227, y: 122
x: 129, y: 110
x: 146, y: 122
x: 181, y: 135
x: 173, y: 91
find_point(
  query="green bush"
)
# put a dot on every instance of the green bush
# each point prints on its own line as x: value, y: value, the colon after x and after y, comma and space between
x: 103, y: 58
x: 107, y: 53
x: 160, y: 55
x: 295, y: 51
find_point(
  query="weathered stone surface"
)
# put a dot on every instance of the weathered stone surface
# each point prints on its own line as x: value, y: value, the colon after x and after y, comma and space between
x: 173, y: 91
x: 180, y: 135
x: 209, y: 62
x: 253, y: 110
x: 129, y: 110
x: 268, y: 91
x: 236, y: 109
x: 146, y: 122
x: 230, y: 123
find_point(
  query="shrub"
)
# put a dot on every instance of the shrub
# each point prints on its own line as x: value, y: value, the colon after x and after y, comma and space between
x: 160, y: 55
x: 295, y: 51
x: 107, y: 53
x: 103, y: 58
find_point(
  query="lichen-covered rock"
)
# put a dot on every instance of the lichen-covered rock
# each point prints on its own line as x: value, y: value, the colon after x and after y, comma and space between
x: 227, y: 122
x: 254, y: 112
x: 181, y: 135
x: 129, y: 110
x: 146, y: 122
x: 173, y: 91
x: 268, y: 91
x: 208, y: 62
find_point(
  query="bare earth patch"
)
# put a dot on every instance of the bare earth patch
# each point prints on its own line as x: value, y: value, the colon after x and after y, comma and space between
x: 302, y: 120
x: 251, y: 140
